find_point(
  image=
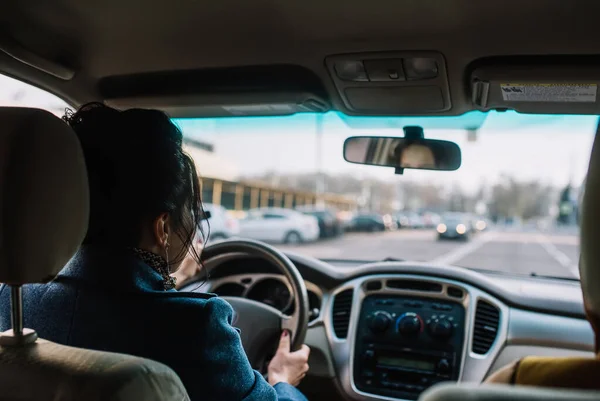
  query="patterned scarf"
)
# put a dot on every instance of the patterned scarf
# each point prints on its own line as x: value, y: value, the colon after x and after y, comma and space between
x: 159, y: 264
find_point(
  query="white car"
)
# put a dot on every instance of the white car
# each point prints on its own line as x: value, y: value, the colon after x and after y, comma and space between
x: 279, y: 225
x: 222, y: 226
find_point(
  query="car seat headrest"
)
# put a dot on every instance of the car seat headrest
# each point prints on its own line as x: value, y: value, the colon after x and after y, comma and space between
x: 589, y: 262
x: 44, y: 195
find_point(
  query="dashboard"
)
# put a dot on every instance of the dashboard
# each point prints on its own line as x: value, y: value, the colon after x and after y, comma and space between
x: 389, y: 330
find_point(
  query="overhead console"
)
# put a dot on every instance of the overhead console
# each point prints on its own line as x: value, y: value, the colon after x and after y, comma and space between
x: 536, y: 84
x: 391, y: 83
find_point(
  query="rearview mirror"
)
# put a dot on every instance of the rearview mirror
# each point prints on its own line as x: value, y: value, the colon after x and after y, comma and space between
x: 401, y: 153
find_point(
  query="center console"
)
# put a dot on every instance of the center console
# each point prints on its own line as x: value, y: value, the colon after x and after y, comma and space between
x: 406, y: 344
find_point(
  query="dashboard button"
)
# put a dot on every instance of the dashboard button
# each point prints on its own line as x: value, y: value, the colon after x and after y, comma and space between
x: 368, y: 356
x: 443, y: 366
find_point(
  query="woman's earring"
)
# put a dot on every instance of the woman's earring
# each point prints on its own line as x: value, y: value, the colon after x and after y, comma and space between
x: 167, y: 257
x: 169, y: 282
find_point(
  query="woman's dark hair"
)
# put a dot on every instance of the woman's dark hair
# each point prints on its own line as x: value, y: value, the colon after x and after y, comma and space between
x: 137, y: 170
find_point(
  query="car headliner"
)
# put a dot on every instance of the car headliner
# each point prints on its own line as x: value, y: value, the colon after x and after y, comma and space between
x: 99, y: 39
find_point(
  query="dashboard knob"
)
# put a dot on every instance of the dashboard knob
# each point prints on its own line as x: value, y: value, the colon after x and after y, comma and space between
x: 443, y: 366
x: 409, y: 324
x: 441, y: 328
x: 380, y: 321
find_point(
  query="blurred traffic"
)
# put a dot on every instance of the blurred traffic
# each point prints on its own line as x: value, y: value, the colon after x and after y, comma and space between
x: 310, y: 223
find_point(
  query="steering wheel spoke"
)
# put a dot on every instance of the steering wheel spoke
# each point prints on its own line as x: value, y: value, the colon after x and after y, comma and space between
x: 260, y: 325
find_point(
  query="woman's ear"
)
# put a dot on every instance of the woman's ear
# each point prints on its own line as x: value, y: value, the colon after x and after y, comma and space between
x: 162, y: 230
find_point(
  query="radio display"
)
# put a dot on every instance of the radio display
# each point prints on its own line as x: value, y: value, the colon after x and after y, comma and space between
x: 408, y: 363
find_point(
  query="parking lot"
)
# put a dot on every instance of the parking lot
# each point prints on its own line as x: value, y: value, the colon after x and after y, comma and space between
x: 550, y: 253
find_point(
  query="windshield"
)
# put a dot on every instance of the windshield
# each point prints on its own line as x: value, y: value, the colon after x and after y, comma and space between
x: 516, y: 191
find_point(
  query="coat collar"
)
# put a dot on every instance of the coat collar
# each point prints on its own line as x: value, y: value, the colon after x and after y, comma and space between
x: 112, y: 267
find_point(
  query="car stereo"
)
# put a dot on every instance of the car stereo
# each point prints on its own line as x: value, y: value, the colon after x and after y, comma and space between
x: 407, y: 344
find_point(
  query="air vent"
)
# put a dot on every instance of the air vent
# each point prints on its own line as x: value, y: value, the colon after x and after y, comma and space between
x: 342, y: 304
x: 373, y: 285
x: 414, y: 285
x: 487, y: 319
x: 455, y: 292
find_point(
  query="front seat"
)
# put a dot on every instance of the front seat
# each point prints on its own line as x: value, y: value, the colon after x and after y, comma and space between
x: 44, y: 207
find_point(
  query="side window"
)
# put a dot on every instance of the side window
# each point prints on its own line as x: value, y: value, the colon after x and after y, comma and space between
x: 273, y: 216
x: 14, y: 93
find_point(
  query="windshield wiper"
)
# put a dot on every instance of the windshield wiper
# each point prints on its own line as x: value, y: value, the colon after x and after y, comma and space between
x: 390, y: 259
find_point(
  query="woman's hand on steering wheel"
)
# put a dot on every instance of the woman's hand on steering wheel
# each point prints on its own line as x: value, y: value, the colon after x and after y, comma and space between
x: 286, y: 366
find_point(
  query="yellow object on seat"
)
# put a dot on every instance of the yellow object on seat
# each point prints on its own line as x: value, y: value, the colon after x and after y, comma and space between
x: 568, y: 372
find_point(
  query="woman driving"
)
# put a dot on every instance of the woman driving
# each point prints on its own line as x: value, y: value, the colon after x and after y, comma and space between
x: 117, y: 293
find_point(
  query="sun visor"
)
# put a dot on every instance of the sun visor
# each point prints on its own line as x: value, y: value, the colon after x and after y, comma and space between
x: 228, y: 105
x: 220, y: 92
x: 538, y: 89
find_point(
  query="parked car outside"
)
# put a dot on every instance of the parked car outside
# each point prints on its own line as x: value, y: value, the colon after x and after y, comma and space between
x: 415, y: 221
x: 279, y: 225
x: 402, y: 220
x: 368, y: 222
x: 329, y: 224
x: 222, y: 225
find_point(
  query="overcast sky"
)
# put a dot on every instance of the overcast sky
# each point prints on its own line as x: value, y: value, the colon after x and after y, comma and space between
x: 551, y: 149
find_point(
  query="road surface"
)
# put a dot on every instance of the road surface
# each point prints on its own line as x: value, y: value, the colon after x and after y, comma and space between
x: 553, y: 253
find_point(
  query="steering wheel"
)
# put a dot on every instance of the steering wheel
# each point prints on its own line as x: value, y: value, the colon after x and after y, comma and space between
x: 259, y: 324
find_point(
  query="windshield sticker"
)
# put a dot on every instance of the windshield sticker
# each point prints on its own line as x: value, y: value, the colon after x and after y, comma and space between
x: 563, y: 93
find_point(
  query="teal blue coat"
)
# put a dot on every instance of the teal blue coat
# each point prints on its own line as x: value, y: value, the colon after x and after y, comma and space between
x: 109, y: 300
